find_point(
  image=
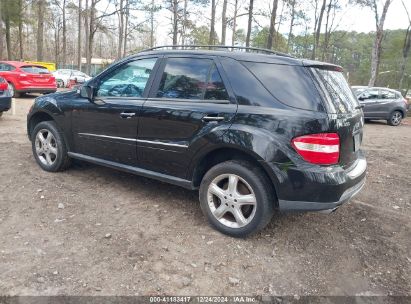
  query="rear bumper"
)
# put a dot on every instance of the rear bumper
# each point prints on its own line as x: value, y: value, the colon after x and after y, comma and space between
x: 315, y: 188
x: 287, y: 206
x: 5, y: 103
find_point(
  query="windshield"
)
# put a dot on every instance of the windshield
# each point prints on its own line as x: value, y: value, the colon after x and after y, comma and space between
x: 34, y: 69
x: 340, y: 98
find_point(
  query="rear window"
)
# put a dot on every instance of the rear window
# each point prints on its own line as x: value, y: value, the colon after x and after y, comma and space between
x: 291, y: 85
x: 339, y: 97
x: 33, y: 69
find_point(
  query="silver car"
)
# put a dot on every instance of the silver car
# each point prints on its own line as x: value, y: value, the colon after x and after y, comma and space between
x: 382, y: 103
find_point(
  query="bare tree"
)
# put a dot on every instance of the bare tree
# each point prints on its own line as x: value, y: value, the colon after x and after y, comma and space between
x: 79, y: 36
x: 224, y: 22
x: 317, y: 28
x: 250, y: 21
x: 41, y: 8
x: 211, y: 39
x: 234, y: 22
x: 406, y: 48
x: 271, y: 31
x: 292, y: 20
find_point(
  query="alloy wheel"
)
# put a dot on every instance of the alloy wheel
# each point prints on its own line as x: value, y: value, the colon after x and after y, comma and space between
x: 46, y: 147
x: 231, y: 200
x: 396, y: 118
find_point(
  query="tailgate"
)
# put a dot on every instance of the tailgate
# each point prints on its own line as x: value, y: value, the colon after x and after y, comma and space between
x: 345, y: 113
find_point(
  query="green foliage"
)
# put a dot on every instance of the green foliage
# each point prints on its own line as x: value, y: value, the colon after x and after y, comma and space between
x: 259, y: 39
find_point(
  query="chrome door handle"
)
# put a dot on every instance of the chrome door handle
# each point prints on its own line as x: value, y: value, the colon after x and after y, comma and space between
x: 213, y: 118
x: 127, y: 114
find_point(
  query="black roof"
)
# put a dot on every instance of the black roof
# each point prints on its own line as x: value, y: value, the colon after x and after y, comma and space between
x: 244, y: 56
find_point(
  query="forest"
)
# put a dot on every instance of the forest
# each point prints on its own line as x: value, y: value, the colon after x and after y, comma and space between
x: 72, y: 32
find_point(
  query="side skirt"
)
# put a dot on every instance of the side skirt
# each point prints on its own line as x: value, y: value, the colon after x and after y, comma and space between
x: 135, y: 170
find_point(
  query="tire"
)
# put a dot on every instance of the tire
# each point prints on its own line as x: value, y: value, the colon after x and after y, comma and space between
x: 366, y: 120
x: 251, y: 181
x: 395, y: 118
x: 52, y: 144
x: 13, y: 91
x: 1, y: 113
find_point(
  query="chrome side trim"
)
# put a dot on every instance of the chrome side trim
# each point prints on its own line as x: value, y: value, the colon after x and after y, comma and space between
x: 161, y: 143
x: 106, y: 136
x: 135, y: 140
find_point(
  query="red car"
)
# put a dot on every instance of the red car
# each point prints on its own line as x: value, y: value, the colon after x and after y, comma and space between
x: 27, y: 78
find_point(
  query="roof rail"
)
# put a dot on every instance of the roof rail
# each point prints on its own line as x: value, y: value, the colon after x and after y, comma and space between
x: 218, y: 47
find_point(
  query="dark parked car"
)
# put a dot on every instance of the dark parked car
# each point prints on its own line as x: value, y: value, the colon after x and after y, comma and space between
x: 253, y: 132
x: 383, y: 103
x: 5, y: 97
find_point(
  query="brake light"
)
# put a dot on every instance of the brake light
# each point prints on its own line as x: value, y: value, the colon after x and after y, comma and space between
x: 321, y: 148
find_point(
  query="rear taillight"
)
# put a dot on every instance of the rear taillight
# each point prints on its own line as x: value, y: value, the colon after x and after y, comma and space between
x: 321, y: 148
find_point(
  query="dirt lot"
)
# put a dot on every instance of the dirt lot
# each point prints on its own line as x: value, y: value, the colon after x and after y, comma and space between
x: 96, y: 231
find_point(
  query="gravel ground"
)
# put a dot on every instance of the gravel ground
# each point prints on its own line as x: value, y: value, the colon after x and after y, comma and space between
x: 96, y: 231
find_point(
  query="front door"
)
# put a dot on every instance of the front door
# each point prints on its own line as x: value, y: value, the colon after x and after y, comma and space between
x: 188, y: 104
x: 369, y: 99
x: 107, y: 127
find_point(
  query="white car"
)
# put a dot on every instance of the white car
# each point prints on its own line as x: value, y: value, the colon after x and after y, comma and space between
x: 63, y: 77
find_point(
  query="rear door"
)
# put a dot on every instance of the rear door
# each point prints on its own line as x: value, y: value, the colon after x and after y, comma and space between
x: 107, y: 128
x: 345, y: 114
x: 384, y: 104
x: 188, y: 104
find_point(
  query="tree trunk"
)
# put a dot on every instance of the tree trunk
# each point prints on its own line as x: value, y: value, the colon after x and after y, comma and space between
x: 120, y: 30
x: 40, y: 29
x: 175, y: 21
x: 211, y: 39
x: 91, y: 33
x: 250, y: 21
x: 21, y: 54
x: 152, y: 24
x: 405, y: 54
x: 376, y: 49
x: 87, y: 27
x: 8, y: 37
x: 234, y: 22
x: 184, y: 27
x: 318, y: 29
x: 224, y: 23
x: 327, y: 32
x: 290, y: 32
x: 126, y: 28
x: 79, y: 37
x: 64, y: 59
x: 272, y: 25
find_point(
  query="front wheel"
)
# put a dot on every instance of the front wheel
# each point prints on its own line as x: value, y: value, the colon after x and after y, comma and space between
x: 395, y: 118
x: 237, y: 198
x: 49, y: 148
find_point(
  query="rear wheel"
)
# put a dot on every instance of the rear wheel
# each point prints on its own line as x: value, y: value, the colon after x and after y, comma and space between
x: 12, y: 91
x: 237, y: 198
x: 395, y: 118
x: 49, y: 148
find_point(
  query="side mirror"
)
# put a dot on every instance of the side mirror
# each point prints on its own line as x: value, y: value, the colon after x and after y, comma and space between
x: 361, y: 98
x: 87, y: 92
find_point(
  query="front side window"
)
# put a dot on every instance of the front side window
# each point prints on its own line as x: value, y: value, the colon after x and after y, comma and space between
x: 129, y: 80
x: 191, y: 78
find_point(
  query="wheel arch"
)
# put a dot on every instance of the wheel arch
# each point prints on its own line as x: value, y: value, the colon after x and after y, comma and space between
x: 35, y: 119
x: 225, y: 153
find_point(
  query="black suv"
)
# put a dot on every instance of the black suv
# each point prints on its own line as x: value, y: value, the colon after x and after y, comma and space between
x: 253, y: 132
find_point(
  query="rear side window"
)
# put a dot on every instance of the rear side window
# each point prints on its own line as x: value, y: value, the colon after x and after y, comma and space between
x: 33, y: 69
x: 191, y: 78
x: 339, y: 97
x: 6, y: 67
x: 385, y: 94
x: 291, y: 85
